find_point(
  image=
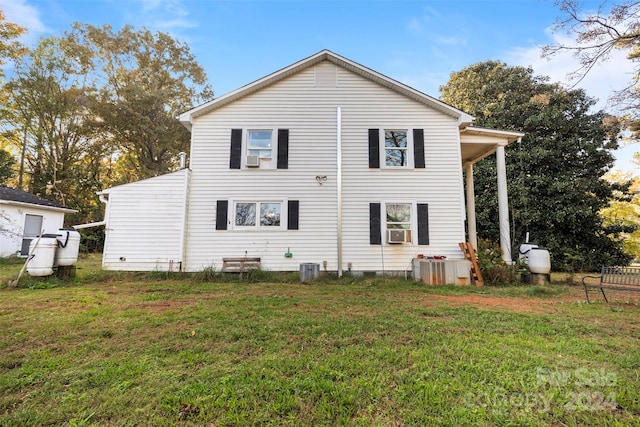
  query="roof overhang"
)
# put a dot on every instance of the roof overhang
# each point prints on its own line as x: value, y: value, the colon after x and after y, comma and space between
x: 463, y: 118
x: 36, y: 206
x: 477, y: 143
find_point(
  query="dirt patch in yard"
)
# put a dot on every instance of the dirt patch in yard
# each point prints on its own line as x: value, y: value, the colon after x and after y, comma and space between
x: 533, y: 305
x: 491, y: 302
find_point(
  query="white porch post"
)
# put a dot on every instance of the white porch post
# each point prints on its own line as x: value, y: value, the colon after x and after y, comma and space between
x: 471, y: 207
x: 503, y: 205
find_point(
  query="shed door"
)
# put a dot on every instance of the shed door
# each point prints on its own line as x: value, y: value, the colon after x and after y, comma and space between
x: 32, y: 228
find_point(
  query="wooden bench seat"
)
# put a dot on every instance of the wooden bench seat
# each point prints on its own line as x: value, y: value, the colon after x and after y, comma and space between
x: 618, y: 278
x: 240, y: 265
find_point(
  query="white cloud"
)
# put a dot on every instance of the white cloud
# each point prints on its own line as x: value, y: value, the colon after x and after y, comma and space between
x: 166, y: 15
x: 451, y: 41
x: 601, y: 81
x: 25, y: 15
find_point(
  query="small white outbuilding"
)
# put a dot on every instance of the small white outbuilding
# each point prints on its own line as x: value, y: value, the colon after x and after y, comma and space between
x: 23, y: 216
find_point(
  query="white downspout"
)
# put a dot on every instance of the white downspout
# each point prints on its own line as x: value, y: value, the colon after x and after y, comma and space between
x: 183, y: 220
x: 471, y: 207
x: 503, y: 205
x: 339, y: 185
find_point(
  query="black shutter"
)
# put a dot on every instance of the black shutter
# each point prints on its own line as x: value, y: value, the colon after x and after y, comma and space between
x: 221, y: 214
x: 374, y: 148
x: 375, y: 233
x: 236, y: 149
x: 418, y: 148
x: 293, y: 214
x: 283, y: 148
x: 423, y: 224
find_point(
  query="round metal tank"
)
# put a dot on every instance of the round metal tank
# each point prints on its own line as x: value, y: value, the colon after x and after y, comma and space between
x: 539, y: 261
x: 68, y: 247
x: 43, y: 253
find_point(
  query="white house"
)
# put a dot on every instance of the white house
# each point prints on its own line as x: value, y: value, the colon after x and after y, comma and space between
x: 324, y: 161
x: 23, y: 217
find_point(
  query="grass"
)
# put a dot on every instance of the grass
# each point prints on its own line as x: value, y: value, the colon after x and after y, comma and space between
x: 155, y: 349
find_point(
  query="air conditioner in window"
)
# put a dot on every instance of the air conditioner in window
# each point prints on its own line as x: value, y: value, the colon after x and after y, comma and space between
x: 398, y: 236
x: 253, y: 161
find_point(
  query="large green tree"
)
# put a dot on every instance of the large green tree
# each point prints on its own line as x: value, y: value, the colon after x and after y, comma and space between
x: 61, y: 147
x: 94, y: 108
x: 149, y: 79
x: 555, y: 173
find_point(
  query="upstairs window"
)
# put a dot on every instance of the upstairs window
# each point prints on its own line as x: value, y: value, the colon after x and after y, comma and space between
x: 396, y: 148
x: 396, y: 152
x: 260, y: 143
x: 259, y: 149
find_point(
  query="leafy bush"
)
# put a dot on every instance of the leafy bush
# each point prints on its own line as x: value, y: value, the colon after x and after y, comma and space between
x: 494, y: 270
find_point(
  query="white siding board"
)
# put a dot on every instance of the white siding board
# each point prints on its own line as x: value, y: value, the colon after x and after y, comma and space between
x: 145, y: 223
x: 309, y: 113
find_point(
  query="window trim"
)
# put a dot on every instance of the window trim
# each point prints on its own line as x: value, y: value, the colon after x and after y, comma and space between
x: 284, y: 217
x: 413, y: 220
x: 410, y: 150
x: 274, y: 143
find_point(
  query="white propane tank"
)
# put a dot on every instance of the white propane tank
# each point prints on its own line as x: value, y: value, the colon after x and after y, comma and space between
x: 68, y: 247
x: 43, y: 253
x: 539, y: 261
x: 524, y: 250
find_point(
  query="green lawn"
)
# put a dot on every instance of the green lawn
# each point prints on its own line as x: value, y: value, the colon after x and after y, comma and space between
x: 133, y: 349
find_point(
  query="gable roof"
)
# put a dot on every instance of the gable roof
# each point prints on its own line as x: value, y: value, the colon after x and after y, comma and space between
x: 14, y: 196
x: 325, y: 55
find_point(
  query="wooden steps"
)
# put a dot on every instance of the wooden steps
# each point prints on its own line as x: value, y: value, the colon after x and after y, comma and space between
x: 470, y: 254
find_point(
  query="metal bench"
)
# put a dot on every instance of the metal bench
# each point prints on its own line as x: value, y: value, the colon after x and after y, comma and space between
x: 240, y: 265
x: 618, y: 278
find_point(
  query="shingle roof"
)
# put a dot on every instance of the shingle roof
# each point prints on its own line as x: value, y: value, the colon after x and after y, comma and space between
x: 13, y: 195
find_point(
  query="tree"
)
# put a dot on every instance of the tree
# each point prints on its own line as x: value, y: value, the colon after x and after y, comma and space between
x: 7, y: 163
x: 149, y: 79
x: 622, y: 216
x: 94, y: 108
x: 62, y: 149
x: 554, y: 173
x: 10, y: 47
x: 597, y: 35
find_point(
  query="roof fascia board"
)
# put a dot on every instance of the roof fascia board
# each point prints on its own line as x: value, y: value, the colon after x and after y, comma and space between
x: 36, y: 206
x: 510, y: 136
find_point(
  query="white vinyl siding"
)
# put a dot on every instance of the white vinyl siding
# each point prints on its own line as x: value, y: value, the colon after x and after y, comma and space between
x: 145, y: 224
x: 308, y: 111
x: 12, y: 222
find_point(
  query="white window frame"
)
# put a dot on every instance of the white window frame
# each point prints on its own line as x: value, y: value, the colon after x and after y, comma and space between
x: 383, y: 147
x: 265, y: 163
x: 413, y: 220
x: 258, y: 202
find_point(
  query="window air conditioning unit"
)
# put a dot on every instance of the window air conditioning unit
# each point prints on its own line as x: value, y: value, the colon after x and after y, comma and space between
x: 398, y: 236
x: 253, y: 161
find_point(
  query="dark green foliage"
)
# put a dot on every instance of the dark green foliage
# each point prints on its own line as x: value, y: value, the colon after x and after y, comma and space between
x: 555, y: 173
x: 7, y: 163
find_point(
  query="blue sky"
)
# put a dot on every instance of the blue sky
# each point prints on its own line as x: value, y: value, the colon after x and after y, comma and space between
x: 416, y: 42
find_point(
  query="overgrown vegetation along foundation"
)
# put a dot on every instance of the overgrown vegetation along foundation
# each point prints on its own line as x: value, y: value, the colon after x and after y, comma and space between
x: 134, y: 349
